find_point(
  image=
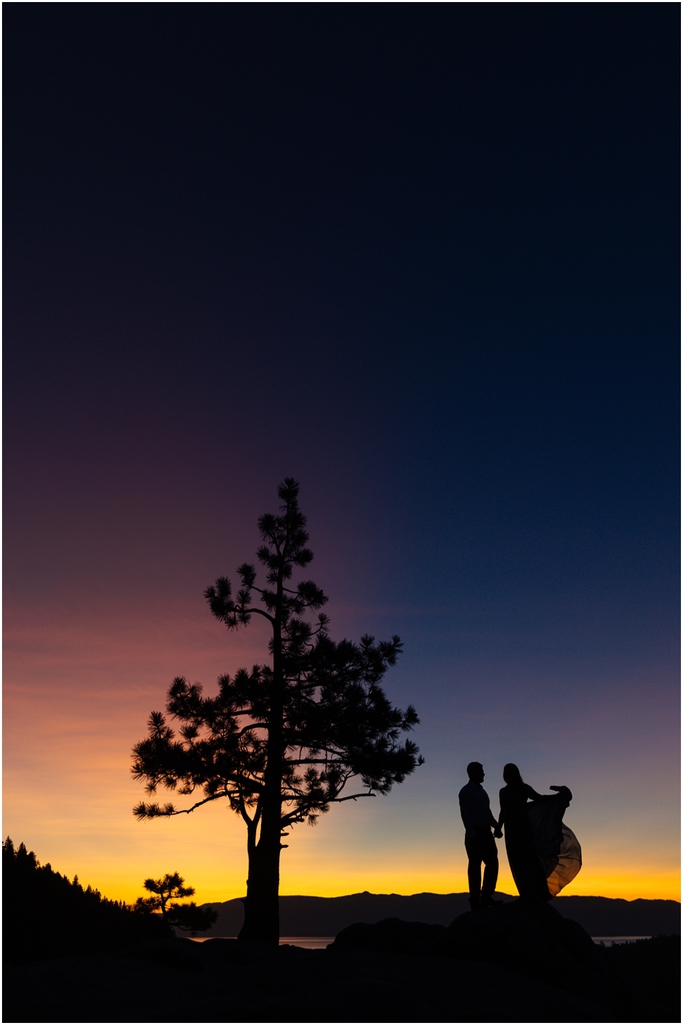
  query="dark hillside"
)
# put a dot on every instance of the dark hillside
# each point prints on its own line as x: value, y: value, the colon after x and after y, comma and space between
x: 612, y: 916
x: 45, y: 915
x: 651, y: 967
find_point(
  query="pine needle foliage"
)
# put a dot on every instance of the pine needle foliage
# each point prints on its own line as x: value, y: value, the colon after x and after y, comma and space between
x: 283, y: 741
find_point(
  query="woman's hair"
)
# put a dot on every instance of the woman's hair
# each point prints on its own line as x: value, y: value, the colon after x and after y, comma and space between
x: 511, y: 774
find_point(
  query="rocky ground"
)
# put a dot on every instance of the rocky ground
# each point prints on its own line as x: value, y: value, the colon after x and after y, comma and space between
x: 508, y: 964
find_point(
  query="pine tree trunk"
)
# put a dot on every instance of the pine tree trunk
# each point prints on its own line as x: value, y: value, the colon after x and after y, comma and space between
x: 261, y: 905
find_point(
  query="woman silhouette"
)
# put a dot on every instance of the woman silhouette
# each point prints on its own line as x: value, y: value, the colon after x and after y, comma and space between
x: 543, y: 853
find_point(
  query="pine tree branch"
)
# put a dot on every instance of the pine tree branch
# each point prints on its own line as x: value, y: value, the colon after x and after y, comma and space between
x: 250, y: 726
x: 351, y: 797
x: 314, y: 761
x: 186, y: 811
x: 245, y: 782
x: 259, y: 612
x: 243, y: 810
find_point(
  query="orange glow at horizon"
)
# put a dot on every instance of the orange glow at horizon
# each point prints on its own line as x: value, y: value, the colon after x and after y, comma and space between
x: 69, y: 793
x: 111, y: 851
x: 117, y: 880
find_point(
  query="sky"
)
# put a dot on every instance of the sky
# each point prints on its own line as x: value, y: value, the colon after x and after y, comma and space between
x: 422, y: 258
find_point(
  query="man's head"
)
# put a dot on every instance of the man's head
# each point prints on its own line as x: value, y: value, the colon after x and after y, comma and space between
x: 475, y: 770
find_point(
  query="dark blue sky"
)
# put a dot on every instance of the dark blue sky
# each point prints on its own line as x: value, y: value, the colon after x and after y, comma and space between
x: 424, y: 258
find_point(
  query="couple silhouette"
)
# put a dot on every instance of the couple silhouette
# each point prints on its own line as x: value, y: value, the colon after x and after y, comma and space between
x: 543, y: 853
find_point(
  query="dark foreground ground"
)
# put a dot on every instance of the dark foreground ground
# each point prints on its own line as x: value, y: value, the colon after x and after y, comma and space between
x: 509, y: 964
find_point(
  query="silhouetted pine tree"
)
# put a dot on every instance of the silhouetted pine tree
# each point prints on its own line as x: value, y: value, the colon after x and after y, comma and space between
x: 281, y: 741
x: 167, y: 892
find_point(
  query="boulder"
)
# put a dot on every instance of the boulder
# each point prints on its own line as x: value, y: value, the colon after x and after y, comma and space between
x: 535, y: 941
x: 390, y: 936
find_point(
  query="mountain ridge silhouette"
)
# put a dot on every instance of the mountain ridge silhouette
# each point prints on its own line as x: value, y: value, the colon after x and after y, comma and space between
x: 302, y: 915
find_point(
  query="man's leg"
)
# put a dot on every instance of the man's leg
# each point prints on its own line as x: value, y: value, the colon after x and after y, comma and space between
x: 474, y: 860
x: 489, y: 855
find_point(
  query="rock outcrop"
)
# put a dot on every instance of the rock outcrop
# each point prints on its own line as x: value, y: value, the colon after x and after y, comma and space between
x: 507, y: 964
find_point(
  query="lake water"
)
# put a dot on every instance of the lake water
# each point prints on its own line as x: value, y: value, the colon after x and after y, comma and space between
x: 309, y: 942
x: 320, y: 942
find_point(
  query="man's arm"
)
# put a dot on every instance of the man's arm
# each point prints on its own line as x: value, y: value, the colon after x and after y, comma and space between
x: 465, y: 807
x: 493, y: 822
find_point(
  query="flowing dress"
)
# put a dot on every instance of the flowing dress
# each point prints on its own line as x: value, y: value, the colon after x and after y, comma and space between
x: 543, y: 853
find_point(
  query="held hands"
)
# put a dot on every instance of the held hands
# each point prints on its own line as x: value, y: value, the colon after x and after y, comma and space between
x: 498, y: 832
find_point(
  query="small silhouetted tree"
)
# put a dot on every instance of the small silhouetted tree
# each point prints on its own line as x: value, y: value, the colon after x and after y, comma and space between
x: 280, y: 742
x: 166, y: 892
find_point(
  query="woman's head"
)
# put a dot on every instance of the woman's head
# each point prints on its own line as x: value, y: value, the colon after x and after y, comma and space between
x: 511, y: 774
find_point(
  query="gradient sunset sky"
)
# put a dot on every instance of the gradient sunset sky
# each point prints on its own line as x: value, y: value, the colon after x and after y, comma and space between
x: 423, y: 258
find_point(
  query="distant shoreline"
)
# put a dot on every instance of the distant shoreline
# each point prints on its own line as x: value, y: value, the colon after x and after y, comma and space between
x: 320, y: 942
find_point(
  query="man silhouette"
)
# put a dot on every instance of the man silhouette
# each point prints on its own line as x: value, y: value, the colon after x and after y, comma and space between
x: 475, y: 809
